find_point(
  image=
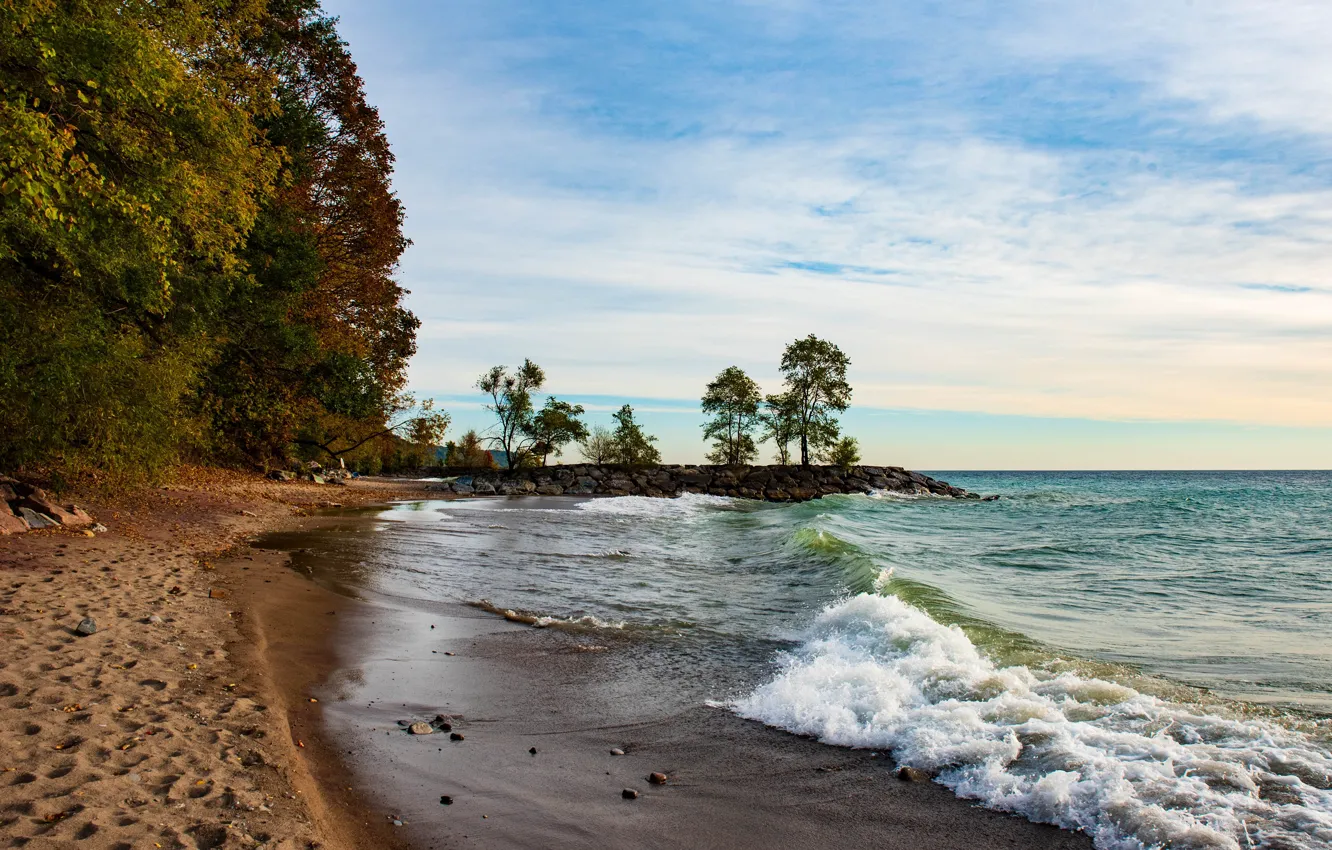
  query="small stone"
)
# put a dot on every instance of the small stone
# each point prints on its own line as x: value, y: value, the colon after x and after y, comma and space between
x: 99, y: 528
x: 617, y: 752
x: 216, y: 593
x: 155, y: 620
x: 445, y: 800
x: 912, y: 774
x: 629, y: 794
x: 86, y: 627
x: 397, y: 823
x: 420, y: 729
x: 533, y: 751
x: 404, y: 723
x: 455, y: 736
x: 657, y: 778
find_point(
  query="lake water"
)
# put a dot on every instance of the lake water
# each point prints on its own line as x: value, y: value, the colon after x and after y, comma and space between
x: 1146, y: 657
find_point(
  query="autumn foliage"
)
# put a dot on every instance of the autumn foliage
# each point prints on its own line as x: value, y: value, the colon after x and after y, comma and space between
x: 198, y: 239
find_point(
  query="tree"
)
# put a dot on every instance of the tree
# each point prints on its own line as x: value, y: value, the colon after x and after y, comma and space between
x: 732, y: 399
x: 469, y: 453
x: 598, y: 446
x: 844, y: 453
x: 780, y: 425
x: 815, y: 372
x: 632, y: 446
x: 419, y: 425
x: 554, y: 426
x: 131, y: 168
x: 511, y: 402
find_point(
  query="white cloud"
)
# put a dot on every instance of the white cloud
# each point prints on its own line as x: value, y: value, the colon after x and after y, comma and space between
x: 1020, y: 279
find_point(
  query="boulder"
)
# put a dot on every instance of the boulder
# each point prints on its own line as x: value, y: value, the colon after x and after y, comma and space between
x: 37, y: 520
x: 10, y: 524
x: 8, y: 493
x: 482, y: 488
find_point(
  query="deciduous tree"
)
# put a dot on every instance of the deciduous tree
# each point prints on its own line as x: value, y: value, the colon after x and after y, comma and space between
x: 632, y: 446
x: 554, y: 426
x: 598, y: 446
x: 732, y: 399
x: 815, y: 372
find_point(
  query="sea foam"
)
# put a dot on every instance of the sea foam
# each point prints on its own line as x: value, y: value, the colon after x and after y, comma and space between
x: 1131, y: 770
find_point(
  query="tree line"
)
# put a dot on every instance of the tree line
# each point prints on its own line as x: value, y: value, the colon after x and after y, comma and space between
x: 198, y: 240
x: 802, y: 415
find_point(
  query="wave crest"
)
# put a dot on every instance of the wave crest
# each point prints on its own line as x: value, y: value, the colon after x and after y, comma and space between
x: 1130, y: 769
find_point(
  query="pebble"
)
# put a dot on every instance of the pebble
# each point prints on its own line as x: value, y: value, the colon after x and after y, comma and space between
x: 533, y: 751
x: 455, y: 736
x: 420, y: 728
x: 912, y: 774
x: 617, y: 752
x: 155, y: 620
x: 629, y: 794
x: 657, y: 778
x: 445, y: 800
x: 86, y: 627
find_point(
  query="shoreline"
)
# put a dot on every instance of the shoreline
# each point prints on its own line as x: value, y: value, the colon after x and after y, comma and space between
x: 237, y: 753
x: 573, y: 696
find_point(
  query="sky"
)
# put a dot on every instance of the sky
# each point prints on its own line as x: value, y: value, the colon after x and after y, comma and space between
x: 1048, y: 235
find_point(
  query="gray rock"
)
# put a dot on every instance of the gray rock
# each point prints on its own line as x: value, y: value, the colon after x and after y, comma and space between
x: 37, y: 520
x: 86, y: 627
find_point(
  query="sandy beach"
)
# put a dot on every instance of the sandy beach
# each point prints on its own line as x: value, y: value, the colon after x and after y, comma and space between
x: 182, y: 721
x: 227, y: 700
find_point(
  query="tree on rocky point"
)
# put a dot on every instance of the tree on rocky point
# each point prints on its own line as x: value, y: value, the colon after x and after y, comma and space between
x: 511, y: 402
x: 815, y: 372
x: 554, y: 426
x: 732, y: 400
x: 599, y: 445
x: 780, y: 425
x: 844, y: 453
x: 632, y: 446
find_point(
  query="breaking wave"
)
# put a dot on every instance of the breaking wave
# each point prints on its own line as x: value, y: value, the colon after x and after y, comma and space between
x: 1130, y: 769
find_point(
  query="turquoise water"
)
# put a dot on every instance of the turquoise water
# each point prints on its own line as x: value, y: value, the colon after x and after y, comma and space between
x: 1143, y: 656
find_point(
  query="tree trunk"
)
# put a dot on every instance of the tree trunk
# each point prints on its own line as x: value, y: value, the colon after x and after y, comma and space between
x: 804, y: 449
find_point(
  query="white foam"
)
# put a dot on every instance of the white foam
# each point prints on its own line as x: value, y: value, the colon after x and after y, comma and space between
x: 683, y: 506
x: 1131, y: 770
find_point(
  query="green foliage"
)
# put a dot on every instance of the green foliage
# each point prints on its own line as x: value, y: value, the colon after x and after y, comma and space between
x: 526, y: 435
x: 631, y: 445
x: 844, y: 453
x: 598, y: 446
x: 732, y: 399
x: 197, y: 240
x: 780, y: 424
x: 511, y: 402
x: 816, y: 387
x: 131, y: 168
x: 554, y: 426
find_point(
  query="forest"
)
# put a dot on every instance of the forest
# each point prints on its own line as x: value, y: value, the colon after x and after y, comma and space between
x: 198, y: 241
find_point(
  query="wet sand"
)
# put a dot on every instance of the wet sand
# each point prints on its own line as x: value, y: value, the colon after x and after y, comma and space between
x: 575, y: 696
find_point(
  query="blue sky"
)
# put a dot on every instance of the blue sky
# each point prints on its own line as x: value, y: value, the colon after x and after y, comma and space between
x: 1048, y: 235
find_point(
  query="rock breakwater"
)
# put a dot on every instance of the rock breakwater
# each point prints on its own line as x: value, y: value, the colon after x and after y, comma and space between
x: 765, y: 483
